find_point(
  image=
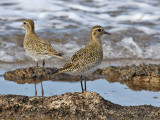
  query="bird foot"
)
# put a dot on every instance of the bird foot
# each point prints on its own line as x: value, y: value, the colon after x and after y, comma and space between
x: 33, y: 76
x: 84, y: 91
x: 41, y: 76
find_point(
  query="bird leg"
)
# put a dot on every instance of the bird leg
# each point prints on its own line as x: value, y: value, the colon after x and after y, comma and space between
x: 35, y: 88
x: 35, y: 70
x: 85, y: 86
x: 42, y: 89
x: 43, y: 64
x: 81, y: 83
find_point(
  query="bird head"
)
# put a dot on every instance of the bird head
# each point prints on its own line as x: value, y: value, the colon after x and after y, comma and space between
x: 28, y: 25
x: 97, y: 31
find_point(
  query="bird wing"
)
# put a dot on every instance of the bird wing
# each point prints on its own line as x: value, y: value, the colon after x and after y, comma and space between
x: 85, y: 57
x: 45, y: 48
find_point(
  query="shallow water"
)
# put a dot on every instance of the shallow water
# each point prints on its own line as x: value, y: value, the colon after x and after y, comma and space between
x: 115, y: 92
x: 110, y: 90
x: 135, y: 39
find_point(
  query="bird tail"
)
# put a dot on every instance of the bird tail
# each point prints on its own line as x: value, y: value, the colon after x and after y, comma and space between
x: 60, y: 55
x: 53, y: 55
x: 63, y: 69
x: 57, y: 56
x: 58, y: 71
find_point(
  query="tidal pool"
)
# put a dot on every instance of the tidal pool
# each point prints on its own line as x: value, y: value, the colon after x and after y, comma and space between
x: 115, y: 92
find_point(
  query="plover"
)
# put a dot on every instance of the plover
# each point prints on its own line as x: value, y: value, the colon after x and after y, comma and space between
x: 85, y: 61
x: 37, y: 47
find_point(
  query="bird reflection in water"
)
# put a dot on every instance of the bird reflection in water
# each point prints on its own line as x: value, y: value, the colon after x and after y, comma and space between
x: 42, y: 91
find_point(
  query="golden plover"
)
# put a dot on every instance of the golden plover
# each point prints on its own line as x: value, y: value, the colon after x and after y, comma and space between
x: 84, y: 61
x: 36, y: 47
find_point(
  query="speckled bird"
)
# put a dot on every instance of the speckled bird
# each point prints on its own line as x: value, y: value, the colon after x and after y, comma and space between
x: 86, y: 60
x: 37, y: 47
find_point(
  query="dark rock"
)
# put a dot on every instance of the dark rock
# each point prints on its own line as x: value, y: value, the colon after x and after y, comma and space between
x: 88, y: 105
x: 142, y: 77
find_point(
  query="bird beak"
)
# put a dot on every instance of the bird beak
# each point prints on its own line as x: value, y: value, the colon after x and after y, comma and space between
x: 107, y: 33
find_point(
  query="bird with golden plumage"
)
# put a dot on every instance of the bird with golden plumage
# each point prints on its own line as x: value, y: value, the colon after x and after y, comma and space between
x: 37, y: 47
x: 86, y: 60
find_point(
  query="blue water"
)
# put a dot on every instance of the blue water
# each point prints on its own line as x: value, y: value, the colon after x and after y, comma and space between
x: 115, y: 92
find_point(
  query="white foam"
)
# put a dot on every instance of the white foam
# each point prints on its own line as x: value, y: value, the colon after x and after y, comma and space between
x: 147, y: 30
x: 85, y: 14
x: 68, y: 49
x: 36, y: 5
x: 129, y: 46
x: 119, y: 15
x: 10, y: 52
x: 6, y: 58
x: 125, y: 48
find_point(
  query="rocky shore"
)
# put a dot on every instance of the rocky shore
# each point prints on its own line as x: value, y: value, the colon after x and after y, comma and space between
x: 142, y: 77
x: 88, y: 105
x: 75, y: 106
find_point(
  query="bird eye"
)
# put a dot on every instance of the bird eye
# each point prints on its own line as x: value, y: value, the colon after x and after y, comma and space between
x: 24, y: 23
x: 99, y: 30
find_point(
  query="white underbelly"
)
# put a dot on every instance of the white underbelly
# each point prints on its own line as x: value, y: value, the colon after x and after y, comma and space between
x: 38, y: 57
x: 83, y: 72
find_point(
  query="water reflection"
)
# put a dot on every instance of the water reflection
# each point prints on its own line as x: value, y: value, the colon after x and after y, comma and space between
x: 110, y: 74
x: 35, y: 88
x: 135, y: 85
x: 113, y: 91
x: 148, y: 86
x: 42, y: 91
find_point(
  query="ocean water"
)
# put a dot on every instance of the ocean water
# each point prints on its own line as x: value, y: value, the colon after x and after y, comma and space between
x: 66, y: 24
x: 135, y: 25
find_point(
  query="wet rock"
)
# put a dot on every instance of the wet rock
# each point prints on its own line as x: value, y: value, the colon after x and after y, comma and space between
x: 24, y: 75
x: 142, y: 77
x: 88, y: 105
x: 146, y: 73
